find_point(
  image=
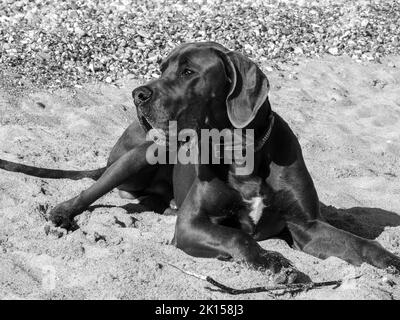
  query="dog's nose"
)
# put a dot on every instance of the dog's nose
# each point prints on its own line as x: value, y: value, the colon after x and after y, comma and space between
x: 141, y: 95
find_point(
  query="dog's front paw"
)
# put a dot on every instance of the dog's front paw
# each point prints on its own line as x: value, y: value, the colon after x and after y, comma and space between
x: 379, y: 257
x: 392, y: 263
x: 51, y: 230
x: 284, y: 271
x: 63, y: 214
x: 60, y: 219
x: 286, y: 276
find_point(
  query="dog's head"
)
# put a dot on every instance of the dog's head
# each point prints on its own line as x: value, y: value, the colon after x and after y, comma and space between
x: 203, y: 85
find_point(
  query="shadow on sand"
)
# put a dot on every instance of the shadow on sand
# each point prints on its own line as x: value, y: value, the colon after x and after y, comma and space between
x: 365, y: 222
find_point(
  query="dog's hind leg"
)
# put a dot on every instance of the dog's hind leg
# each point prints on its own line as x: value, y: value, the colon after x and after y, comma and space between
x: 322, y: 240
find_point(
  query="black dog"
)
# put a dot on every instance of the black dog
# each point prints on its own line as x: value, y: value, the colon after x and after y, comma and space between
x: 222, y: 214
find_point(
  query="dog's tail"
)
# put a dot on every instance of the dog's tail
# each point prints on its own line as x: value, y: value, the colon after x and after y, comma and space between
x: 51, y: 173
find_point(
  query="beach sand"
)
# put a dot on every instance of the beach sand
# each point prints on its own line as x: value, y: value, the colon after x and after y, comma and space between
x: 347, y: 118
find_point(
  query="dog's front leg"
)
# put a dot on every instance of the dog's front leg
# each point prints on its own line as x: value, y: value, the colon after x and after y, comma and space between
x: 198, y: 236
x: 126, y: 166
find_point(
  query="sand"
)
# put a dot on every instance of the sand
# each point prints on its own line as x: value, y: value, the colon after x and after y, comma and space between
x: 345, y: 114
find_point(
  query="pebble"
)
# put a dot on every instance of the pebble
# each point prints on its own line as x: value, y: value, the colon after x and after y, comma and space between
x: 41, y: 105
x: 333, y: 51
x: 298, y: 50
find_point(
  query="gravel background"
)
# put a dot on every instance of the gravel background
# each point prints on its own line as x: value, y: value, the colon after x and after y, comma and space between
x: 62, y: 43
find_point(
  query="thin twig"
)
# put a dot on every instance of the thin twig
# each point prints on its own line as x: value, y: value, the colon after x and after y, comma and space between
x: 198, y: 276
x: 287, y: 288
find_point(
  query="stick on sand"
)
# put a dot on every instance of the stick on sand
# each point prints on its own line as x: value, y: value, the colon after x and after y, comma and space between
x: 288, y: 288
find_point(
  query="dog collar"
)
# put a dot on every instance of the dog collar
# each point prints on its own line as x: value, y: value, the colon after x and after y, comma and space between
x: 257, y: 145
x: 266, y: 135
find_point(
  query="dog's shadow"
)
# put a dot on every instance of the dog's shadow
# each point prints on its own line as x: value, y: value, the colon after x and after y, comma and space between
x: 364, y: 222
x: 368, y: 223
x: 132, y: 208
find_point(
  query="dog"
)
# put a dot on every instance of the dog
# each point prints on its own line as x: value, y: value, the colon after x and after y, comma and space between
x: 221, y: 214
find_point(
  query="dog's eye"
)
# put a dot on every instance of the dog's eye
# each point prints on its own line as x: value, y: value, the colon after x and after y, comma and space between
x: 187, y: 72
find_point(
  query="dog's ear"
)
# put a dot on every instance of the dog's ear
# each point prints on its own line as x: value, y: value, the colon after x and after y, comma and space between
x: 248, y: 91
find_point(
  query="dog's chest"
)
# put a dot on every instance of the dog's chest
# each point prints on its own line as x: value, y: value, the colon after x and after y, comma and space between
x: 252, y: 197
x: 256, y: 206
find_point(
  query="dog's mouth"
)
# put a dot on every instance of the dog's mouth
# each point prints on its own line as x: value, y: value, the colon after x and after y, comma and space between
x: 145, y: 123
x: 156, y: 134
x: 160, y: 136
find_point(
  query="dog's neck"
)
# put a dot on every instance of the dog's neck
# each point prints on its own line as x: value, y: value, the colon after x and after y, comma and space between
x: 262, y: 122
